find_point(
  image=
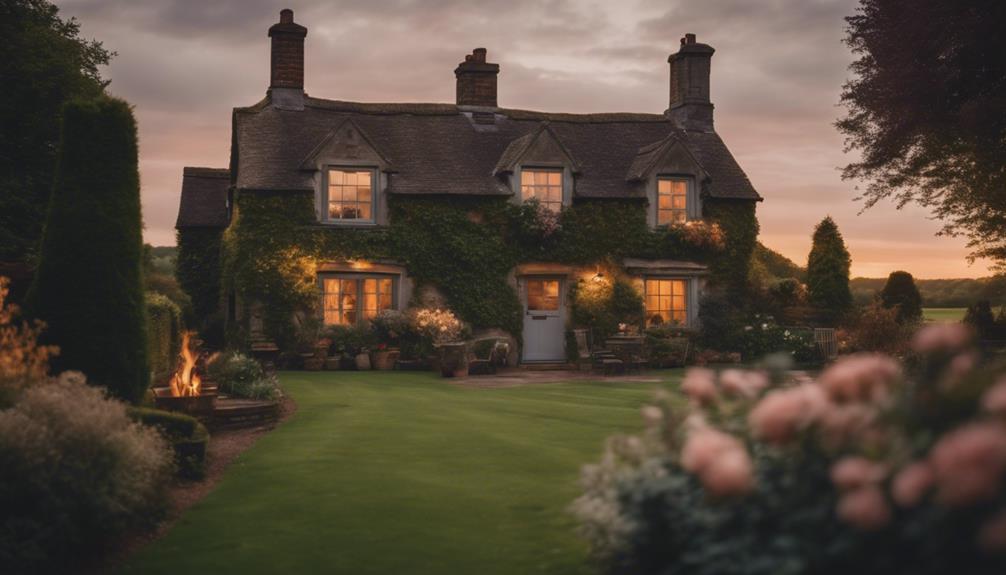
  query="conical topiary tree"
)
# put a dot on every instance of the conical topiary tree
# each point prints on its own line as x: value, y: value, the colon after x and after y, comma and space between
x: 900, y: 291
x: 828, y: 270
x: 88, y: 287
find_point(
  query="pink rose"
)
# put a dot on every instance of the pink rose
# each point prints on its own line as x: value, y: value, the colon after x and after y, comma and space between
x: 865, y: 508
x: 700, y: 385
x: 729, y: 474
x: 911, y: 484
x: 855, y: 472
x: 781, y: 414
x: 861, y: 377
x: 969, y: 463
x: 945, y: 337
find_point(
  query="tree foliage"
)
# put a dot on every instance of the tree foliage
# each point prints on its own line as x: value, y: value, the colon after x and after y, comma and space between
x: 89, y: 285
x: 900, y: 292
x: 828, y: 269
x: 925, y: 110
x: 43, y: 64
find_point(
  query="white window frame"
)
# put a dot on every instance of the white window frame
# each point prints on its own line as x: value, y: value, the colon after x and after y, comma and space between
x: 325, y: 199
x: 564, y: 191
x: 359, y: 278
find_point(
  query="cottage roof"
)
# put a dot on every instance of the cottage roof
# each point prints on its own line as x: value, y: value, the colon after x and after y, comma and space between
x: 447, y: 149
x: 204, y: 198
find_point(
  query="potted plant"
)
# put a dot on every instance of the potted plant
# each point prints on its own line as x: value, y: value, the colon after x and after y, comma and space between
x: 446, y: 334
x: 390, y: 326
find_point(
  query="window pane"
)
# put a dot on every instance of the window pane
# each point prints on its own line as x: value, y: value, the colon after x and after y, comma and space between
x: 335, y: 177
x: 554, y: 178
x: 362, y: 194
x: 543, y: 295
x: 540, y: 178
x: 679, y: 202
x: 526, y: 178
x: 363, y: 179
x: 363, y: 211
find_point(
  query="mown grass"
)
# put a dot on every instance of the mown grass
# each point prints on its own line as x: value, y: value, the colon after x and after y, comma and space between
x: 943, y: 313
x: 394, y: 472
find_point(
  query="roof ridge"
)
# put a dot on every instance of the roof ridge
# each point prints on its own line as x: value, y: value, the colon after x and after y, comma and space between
x: 205, y: 172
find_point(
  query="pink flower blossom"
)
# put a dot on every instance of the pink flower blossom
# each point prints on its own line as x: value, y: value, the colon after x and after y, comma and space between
x: 700, y: 385
x: 992, y: 535
x: 856, y: 473
x: 704, y: 446
x: 941, y: 337
x: 729, y: 474
x: 781, y: 414
x: 652, y: 415
x: 994, y: 400
x: 861, y: 377
x: 912, y: 483
x: 969, y: 463
x: 865, y: 508
x: 840, y: 423
x: 741, y: 383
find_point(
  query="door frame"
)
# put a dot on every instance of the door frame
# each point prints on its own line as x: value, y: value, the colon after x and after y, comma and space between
x: 560, y: 313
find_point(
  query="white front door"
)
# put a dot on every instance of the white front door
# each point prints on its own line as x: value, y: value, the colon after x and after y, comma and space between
x: 544, y: 318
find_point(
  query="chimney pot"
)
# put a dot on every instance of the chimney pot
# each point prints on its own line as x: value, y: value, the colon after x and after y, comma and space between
x: 476, y: 80
x: 286, y: 16
x: 689, y: 38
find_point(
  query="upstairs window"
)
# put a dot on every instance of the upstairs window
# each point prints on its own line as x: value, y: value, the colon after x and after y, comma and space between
x: 347, y: 300
x: 543, y: 185
x: 666, y: 302
x: 672, y: 200
x: 350, y: 195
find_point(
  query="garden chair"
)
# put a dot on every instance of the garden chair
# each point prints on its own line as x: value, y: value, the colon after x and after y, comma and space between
x: 497, y: 356
x: 600, y: 360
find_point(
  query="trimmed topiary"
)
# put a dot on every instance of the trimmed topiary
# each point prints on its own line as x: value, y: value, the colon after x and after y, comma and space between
x: 900, y: 291
x: 828, y: 270
x: 88, y: 287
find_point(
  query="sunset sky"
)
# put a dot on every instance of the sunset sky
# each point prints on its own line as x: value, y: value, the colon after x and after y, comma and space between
x: 777, y: 74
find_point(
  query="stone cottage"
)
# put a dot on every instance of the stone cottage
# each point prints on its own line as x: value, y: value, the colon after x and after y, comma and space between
x: 332, y: 211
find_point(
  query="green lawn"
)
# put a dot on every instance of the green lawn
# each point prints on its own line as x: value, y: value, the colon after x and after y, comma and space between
x: 943, y: 313
x: 393, y: 473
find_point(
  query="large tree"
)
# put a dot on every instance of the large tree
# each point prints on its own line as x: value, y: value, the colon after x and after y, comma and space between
x: 43, y: 64
x: 89, y: 282
x: 828, y: 270
x: 926, y: 111
x: 900, y: 291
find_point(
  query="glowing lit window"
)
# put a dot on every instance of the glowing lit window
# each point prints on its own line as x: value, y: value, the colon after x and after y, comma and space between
x: 672, y: 201
x: 543, y: 295
x: 666, y: 302
x: 350, y: 195
x: 543, y: 185
x: 347, y: 300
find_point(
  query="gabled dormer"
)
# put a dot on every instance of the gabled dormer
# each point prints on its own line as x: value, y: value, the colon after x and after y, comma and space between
x: 673, y: 180
x: 350, y: 177
x: 538, y: 165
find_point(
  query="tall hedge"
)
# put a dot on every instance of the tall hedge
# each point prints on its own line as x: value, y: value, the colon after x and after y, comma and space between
x: 198, y: 272
x: 900, y: 291
x: 88, y: 286
x: 164, y: 335
x: 828, y: 270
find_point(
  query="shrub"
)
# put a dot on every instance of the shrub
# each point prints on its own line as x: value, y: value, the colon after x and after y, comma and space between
x: 350, y: 339
x: 828, y: 270
x: 438, y: 325
x: 602, y: 305
x: 876, y: 328
x: 241, y: 376
x: 78, y: 475
x: 164, y: 335
x: 787, y: 292
x: 900, y: 292
x: 876, y: 467
x: 22, y: 360
x: 88, y: 287
x: 188, y: 438
x: 390, y: 326
x: 980, y: 318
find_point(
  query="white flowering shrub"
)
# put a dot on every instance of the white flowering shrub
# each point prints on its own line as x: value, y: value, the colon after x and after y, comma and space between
x: 438, y: 325
x: 874, y: 467
x: 77, y: 474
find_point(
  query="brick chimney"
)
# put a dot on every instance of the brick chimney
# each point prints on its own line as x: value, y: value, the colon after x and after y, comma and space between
x: 690, y: 106
x: 286, y: 81
x: 477, y: 80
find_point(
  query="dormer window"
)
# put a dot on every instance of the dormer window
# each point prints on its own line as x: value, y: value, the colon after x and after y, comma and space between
x: 672, y: 200
x: 542, y: 184
x: 350, y: 195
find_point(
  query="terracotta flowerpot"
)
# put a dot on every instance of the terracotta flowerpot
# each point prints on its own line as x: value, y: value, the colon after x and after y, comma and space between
x: 363, y: 361
x: 333, y: 364
x: 454, y: 360
x: 384, y: 360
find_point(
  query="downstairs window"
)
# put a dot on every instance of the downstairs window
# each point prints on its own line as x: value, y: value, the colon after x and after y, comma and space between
x: 351, y: 299
x: 666, y: 302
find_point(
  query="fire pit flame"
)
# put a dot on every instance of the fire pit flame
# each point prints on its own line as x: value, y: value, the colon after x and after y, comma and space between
x: 186, y: 382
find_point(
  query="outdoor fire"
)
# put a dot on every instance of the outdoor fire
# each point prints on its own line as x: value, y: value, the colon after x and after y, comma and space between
x: 186, y: 382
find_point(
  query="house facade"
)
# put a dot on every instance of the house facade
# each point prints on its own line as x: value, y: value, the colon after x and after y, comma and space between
x: 332, y: 211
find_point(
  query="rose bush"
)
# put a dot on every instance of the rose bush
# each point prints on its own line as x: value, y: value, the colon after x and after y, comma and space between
x: 876, y: 466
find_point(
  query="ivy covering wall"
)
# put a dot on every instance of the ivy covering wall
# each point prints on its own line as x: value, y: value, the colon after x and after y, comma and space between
x: 464, y: 246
